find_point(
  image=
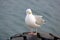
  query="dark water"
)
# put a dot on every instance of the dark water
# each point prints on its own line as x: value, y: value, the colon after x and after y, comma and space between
x: 12, y: 14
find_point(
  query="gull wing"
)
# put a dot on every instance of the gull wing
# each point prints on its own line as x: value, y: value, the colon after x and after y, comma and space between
x: 39, y: 20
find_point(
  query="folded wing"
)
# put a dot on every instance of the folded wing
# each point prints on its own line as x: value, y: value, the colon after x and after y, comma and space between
x: 39, y: 20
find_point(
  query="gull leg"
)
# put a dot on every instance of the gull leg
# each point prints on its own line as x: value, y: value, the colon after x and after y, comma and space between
x: 36, y: 30
x: 31, y: 31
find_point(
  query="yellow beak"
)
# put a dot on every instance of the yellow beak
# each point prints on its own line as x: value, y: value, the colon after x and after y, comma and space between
x: 30, y: 12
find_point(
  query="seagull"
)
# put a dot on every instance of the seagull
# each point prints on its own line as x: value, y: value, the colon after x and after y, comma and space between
x: 33, y: 21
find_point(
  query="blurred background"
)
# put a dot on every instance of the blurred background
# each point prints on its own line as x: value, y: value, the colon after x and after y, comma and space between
x: 12, y: 15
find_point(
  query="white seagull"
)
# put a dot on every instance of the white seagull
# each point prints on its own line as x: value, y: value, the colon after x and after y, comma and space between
x: 33, y: 21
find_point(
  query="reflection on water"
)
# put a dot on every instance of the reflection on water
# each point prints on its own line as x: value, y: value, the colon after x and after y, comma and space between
x: 12, y: 14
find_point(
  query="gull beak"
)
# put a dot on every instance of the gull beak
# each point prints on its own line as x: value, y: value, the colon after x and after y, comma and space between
x: 30, y: 12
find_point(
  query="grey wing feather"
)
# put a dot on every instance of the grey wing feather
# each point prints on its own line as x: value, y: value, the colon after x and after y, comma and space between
x: 39, y: 20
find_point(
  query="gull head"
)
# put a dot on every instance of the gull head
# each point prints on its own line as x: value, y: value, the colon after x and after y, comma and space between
x: 28, y: 11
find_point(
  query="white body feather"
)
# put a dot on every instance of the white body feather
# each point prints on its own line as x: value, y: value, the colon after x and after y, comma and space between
x: 30, y: 20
